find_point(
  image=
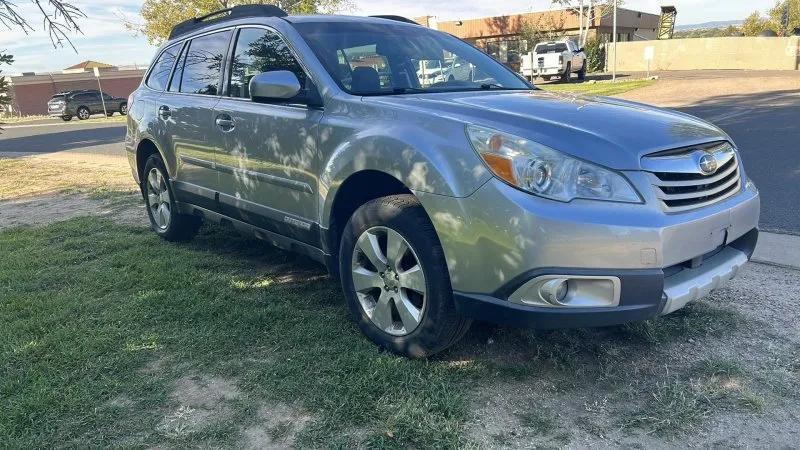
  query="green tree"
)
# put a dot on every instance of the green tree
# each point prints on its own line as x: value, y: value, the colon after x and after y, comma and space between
x: 59, y: 18
x: 755, y: 24
x: 5, y: 88
x: 159, y: 16
x: 779, y: 12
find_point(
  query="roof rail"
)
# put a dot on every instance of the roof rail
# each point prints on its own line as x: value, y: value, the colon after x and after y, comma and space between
x: 237, y: 12
x: 395, y: 18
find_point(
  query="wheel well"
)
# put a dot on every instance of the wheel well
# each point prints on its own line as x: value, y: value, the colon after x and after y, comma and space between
x: 143, y: 151
x: 356, y: 190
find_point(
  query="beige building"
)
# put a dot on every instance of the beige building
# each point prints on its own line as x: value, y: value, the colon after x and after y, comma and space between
x: 501, y: 36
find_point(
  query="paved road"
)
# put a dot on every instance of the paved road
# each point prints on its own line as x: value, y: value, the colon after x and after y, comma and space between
x: 57, y: 137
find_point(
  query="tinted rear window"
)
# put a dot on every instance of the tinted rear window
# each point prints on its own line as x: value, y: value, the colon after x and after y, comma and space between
x: 551, y: 48
x: 57, y: 97
x: 202, y: 70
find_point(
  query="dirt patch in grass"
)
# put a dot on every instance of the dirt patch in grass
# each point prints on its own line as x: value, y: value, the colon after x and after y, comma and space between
x: 38, y: 211
x: 275, y: 426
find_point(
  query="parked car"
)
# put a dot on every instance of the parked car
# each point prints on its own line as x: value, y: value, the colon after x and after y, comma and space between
x: 557, y: 58
x: 436, y: 204
x: 82, y: 104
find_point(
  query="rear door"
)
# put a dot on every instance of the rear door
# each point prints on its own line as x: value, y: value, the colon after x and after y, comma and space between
x: 268, y: 160
x: 186, y: 109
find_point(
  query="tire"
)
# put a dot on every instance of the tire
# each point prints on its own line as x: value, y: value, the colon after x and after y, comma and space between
x: 430, y: 323
x: 567, y: 74
x: 582, y: 72
x: 123, y: 109
x: 111, y: 114
x: 547, y: 77
x: 162, y: 210
x: 83, y: 113
x: 66, y: 118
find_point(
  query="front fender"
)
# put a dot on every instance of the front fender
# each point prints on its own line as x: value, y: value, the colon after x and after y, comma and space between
x: 425, y: 158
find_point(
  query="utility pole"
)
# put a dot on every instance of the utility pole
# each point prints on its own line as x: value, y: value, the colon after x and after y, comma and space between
x: 614, y: 65
x: 580, y: 25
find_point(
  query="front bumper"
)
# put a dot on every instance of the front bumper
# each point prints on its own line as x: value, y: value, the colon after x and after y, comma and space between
x: 547, y: 71
x: 645, y: 293
x: 500, y: 238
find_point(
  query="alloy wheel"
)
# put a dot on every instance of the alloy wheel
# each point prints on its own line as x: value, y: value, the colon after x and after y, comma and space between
x: 389, y: 281
x: 83, y: 114
x: 158, y: 198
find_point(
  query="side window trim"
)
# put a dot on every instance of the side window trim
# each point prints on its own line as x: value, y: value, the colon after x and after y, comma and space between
x: 178, y: 59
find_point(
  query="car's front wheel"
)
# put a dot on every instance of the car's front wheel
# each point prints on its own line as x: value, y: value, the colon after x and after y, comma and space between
x: 396, y: 280
x: 162, y: 210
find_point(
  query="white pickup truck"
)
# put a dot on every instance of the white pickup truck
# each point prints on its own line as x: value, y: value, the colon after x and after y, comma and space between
x: 558, y: 58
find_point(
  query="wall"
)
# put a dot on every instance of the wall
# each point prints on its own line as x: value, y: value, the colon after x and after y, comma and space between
x: 31, y: 93
x: 755, y: 53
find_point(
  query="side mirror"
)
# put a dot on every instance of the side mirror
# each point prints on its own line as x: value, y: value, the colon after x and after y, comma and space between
x: 274, y: 85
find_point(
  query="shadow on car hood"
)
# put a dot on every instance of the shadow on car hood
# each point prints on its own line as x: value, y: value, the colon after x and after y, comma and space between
x: 608, y: 131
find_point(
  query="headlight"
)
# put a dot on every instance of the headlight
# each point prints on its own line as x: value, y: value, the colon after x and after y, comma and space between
x: 543, y: 171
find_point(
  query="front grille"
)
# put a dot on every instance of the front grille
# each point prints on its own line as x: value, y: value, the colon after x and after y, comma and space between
x: 680, y: 183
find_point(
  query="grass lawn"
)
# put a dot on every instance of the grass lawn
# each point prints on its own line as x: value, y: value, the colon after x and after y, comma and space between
x: 112, y: 337
x: 604, y: 88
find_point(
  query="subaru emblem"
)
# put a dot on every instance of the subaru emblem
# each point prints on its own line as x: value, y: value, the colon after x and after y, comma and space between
x: 708, y: 164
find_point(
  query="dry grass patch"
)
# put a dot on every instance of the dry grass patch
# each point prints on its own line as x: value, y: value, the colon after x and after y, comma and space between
x: 66, y: 173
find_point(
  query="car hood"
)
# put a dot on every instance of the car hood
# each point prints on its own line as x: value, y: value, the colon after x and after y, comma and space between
x: 612, y: 132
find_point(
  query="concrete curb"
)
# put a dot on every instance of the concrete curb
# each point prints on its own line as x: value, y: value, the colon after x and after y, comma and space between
x: 778, y: 249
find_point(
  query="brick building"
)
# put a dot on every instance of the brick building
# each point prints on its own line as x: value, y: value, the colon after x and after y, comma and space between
x: 32, y: 91
x: 501, y: 36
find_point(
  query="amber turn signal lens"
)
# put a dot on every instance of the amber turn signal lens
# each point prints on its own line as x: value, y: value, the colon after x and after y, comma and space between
x: 502, y: 166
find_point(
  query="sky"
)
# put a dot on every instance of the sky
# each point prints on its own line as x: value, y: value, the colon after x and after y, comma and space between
x: 106, y: 39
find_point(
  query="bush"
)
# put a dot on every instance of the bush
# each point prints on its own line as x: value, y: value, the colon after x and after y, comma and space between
x: 595, y: 55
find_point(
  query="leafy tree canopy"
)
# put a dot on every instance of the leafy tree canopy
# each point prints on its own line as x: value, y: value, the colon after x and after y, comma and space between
x: 159, y: 16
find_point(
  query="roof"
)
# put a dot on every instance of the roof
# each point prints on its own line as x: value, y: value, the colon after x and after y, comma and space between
x: 90, y: 65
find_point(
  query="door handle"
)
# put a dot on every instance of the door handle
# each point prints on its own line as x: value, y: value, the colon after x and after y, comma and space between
x: 225, y: 122
x: 164, y: 112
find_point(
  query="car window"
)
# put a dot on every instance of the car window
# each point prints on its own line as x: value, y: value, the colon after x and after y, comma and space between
x: 202, y: 70
x: 257, y: 51
x: 107, y: 97
x: 386, y: 59
x: 159, y: 75
x: 177, y: 75
x: 557, y: 47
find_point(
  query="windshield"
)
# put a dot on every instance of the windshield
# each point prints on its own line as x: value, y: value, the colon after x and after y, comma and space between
x: 385, y: 59
x: 57, y: 97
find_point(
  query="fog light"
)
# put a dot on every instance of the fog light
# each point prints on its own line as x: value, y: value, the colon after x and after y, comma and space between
x: 569, y: 291
x: 554, y: 291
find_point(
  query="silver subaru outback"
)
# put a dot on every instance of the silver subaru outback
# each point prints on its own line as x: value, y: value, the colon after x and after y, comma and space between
x: 436, y: 184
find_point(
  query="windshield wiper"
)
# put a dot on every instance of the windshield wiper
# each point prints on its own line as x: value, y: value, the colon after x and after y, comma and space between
x: 406, y: 90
